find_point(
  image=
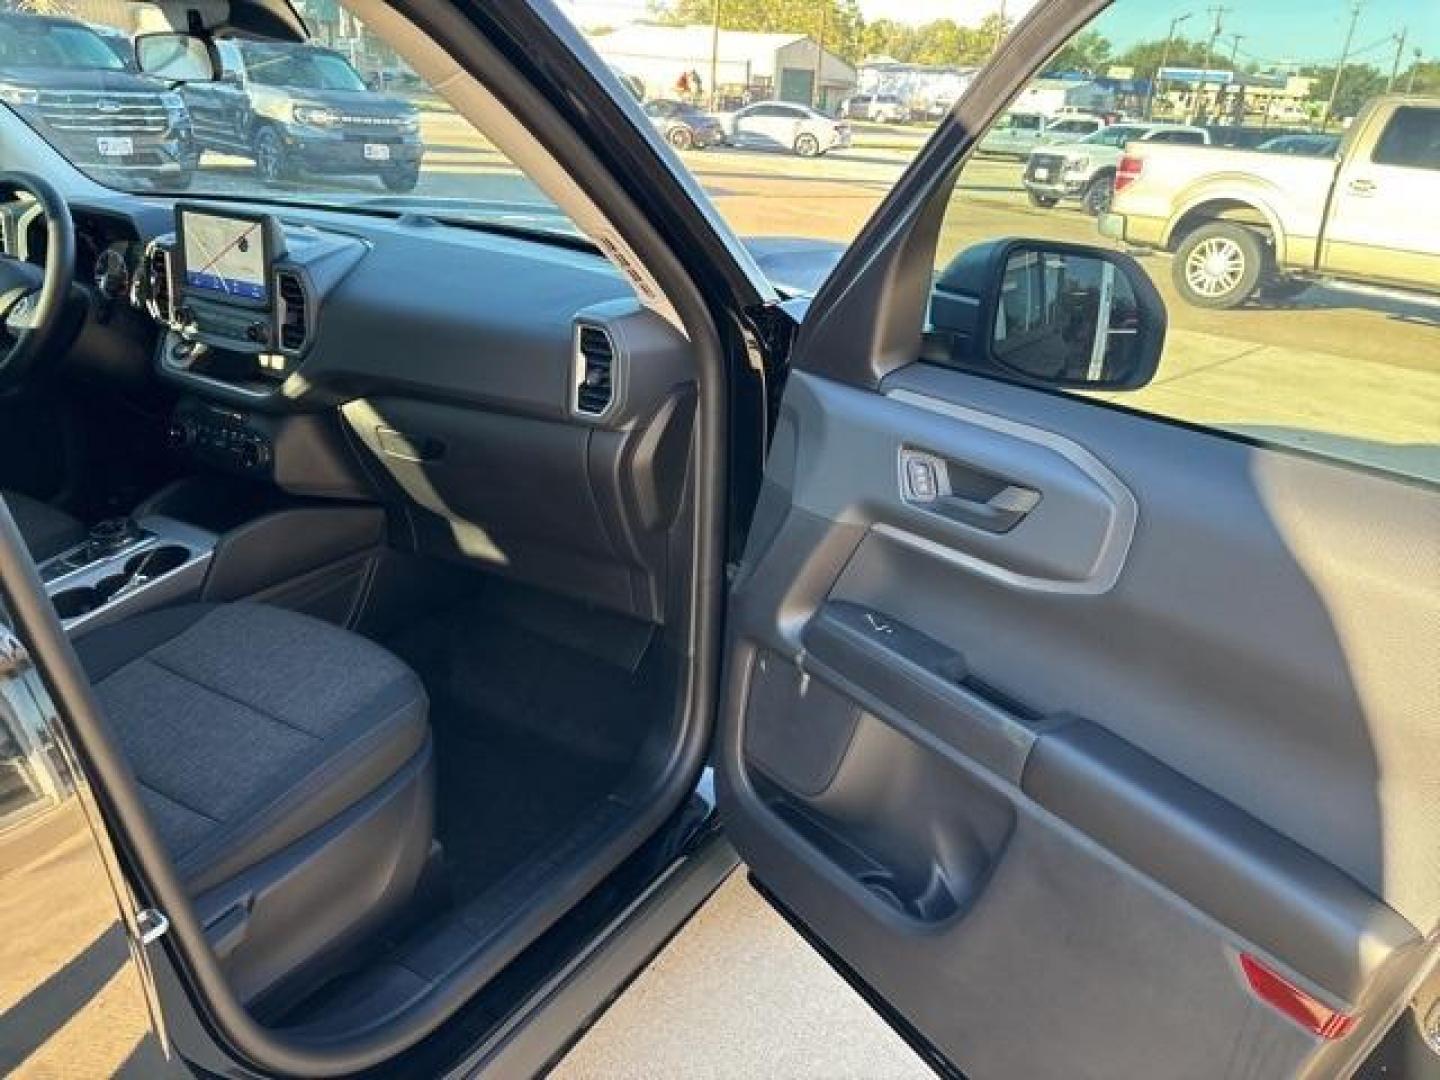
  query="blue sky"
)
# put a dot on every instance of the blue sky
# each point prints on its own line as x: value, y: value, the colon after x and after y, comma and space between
x: 1281, y: 30
x: 1273, y: 30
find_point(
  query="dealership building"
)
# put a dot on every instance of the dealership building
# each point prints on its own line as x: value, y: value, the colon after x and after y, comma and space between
x: 733, y: 66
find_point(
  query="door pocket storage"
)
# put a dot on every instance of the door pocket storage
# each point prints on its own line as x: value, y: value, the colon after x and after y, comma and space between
x: 903, y: 824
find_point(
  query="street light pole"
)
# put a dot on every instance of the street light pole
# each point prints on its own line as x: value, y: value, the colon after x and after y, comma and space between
x: 1340, y: 67
x: 1164, y: 60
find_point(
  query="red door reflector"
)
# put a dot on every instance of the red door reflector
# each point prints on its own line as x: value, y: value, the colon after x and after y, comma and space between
x: 1273, y: 989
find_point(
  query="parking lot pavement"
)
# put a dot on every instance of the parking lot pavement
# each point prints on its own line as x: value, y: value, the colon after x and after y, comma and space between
x: 737, y: 993
x: 1371, y: 365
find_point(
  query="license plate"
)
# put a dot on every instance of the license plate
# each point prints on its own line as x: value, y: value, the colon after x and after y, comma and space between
x: 377, y: 152
x: 1042, y: 174
x: 116, y: 145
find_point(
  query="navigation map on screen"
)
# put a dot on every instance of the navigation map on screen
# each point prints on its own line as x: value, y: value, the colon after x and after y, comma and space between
x: 225, y: 255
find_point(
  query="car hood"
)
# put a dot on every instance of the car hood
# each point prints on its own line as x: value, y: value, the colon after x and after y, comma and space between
x: 82, y: 79
x: 1094, y: 151
x: 353, y: 102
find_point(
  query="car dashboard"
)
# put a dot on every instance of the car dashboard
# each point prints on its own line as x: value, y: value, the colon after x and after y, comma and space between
x: 507, y: 399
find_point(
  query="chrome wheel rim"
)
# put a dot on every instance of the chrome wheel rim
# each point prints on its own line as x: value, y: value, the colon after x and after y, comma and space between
x: 1215, y: 266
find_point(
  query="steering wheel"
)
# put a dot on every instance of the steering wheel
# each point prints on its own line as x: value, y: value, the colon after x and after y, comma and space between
x: 33, y: 301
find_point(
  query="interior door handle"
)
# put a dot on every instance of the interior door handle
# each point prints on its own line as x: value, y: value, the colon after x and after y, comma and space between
x: 964, y: 494
x: 999, y: 513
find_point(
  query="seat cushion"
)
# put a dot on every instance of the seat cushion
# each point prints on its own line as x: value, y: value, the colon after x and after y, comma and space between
x: 250, y: 726
x: 46, y: 530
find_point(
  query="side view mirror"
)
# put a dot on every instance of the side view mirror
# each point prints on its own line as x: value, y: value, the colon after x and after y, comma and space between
x: 176, y: 57
x: 1049, y: 314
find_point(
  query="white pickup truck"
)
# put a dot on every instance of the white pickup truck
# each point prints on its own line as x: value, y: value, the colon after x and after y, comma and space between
x: 1243, y: 222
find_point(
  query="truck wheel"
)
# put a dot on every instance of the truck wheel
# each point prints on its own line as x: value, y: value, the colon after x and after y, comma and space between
x: 272, y: 161
x: 1046, y: 201
x: 1099, y: 194
x: 681, y: 138
x: 1219, y: 265
x: 807, y: 145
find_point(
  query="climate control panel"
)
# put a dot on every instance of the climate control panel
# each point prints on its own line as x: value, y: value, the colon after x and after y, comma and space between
x: 220, y: 437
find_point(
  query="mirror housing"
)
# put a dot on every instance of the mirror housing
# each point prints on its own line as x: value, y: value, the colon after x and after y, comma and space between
x: 1048, y: 313
x: 177, y: 57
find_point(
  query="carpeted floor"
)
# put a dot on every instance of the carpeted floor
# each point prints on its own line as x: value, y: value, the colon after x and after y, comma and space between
x: 529, y: 733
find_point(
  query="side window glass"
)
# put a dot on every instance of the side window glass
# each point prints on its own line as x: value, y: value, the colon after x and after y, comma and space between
x: 1412, y: 138
x: 1330, y: 348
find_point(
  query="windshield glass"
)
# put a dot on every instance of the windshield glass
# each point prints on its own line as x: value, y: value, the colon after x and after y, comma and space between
x: 346, y: 124
x: 41, y: 43
x: 300, y: 67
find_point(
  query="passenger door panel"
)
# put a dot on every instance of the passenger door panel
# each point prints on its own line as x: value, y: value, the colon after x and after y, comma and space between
x: 1043, y: 788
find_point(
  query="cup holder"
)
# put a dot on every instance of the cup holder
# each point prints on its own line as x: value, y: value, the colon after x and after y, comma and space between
x: 141, y: 568
x: 72, y: 603
x: 157, y: 561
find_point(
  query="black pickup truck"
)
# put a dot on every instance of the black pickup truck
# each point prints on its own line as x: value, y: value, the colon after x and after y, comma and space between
x: 78, y: 92
x: 296, y: 109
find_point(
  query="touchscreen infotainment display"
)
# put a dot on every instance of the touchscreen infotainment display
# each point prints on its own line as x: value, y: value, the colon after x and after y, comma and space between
x: 224, y: 255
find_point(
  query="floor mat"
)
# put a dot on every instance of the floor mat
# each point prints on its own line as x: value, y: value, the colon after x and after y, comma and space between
x: 530, y: 734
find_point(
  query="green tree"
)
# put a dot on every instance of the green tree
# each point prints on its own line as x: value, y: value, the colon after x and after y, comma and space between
x: 837, y: 21
x: 1088, y: 51
x: 1425, y: 75
x: 1358, y: 84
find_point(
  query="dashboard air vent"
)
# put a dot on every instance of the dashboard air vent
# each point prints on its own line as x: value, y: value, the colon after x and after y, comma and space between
x: 594, y: 371
x: 294, y: 313
x: 158, y: 282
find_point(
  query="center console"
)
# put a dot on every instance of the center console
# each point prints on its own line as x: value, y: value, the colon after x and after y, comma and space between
x: 126, y: 566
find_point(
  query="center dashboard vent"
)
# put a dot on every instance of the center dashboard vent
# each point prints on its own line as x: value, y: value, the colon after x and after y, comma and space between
x: 294, y: 311
x: 594, y: 371
x: 158, y: 282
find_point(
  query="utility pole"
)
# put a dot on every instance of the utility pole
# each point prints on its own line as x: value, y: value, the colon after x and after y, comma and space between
x: 1238, y: 109
x: 820, y: 55
x: 1340, y: 67
x: 1218, y: 14
x: 1414, y: 67
x: 1399, y: 54
x: 714, y: 54
x: 999, y: 28
x: 1164, y: 60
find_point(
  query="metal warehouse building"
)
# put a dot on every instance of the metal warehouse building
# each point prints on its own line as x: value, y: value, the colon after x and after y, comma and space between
x: 670, y: 60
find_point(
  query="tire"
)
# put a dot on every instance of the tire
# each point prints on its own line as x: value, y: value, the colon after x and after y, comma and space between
x: 681, y: 138
x: 1045, y: 202
x: 272, y: 161
x: 1099, y: 194
x: 807, y: 145
x: 1219, y: 265
x: 400, y: 181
